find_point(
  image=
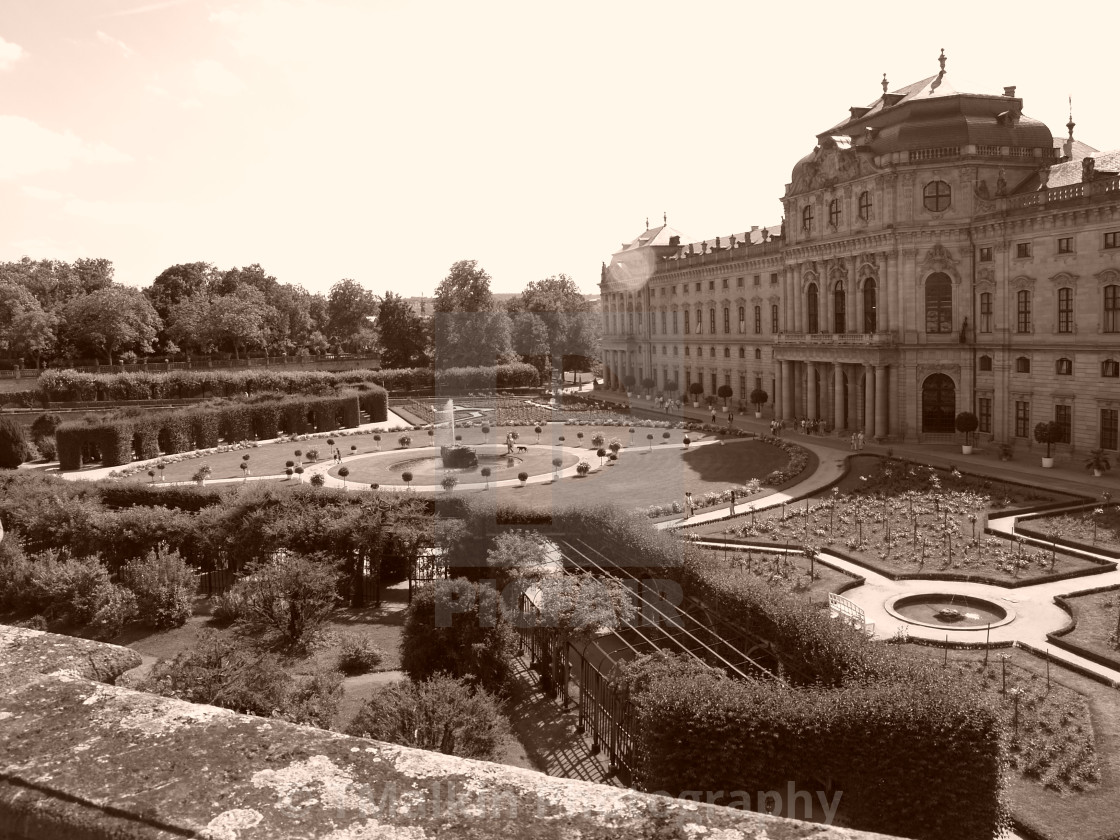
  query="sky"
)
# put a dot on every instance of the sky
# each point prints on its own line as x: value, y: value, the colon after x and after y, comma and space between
x: 382, y: 141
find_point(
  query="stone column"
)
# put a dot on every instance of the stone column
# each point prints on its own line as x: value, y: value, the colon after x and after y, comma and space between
x: 811, y: 390
x: 787, y: 390
x: 838, y: 396
x: 880, y: 401
x: 869, y: 400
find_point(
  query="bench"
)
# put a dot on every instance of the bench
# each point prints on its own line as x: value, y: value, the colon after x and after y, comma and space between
x: 841, y: 608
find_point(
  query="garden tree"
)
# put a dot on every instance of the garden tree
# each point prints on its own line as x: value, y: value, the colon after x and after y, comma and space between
x: 230, y: 672
x: 518, y: 555
x: 565, y: 313
x: 240, y: 319
x: 1048, y: 433
x: 288, y: 595
x: 232, y: 279
x: 530, y: 339
x: 317, y: 343
x: 453, y: 626
x: 968, y: 423
x: 14, y: 445
x: 177, y: 283
x: 466, y: 329
x: 54, y: 283
x: 189, y: 324
x: 289, y: 324
x: 440, y: 714
x: 112, y: 319
x: 93, y: 273
x: 25, y: 329
x: 724, y: 392
x: 350, y: 308
x: 164, y: 587
x: 402, y: 334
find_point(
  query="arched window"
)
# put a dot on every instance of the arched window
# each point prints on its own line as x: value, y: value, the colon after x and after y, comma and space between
x: 758, y: 352
x: 1023, y: 364
x: 727, y: 352
x: 937, y: 196
x: 758, y: 320
x: 1023, y: 311
x: 813, y: 325
x: 865, y: 205
x: 699, y: 321
x: 939, y: 404
x: 839, y: 314
x: 742, y: 319
x: 939, y: 303
x: 870, y: 307
x: 1111, y: 321
x: 834, y: 212
x: 807, y: 218
x: 726, y: 319
x: 712, y: 320
x: 687, y: 328
x: 1064, y: 367
x: 985, y: 363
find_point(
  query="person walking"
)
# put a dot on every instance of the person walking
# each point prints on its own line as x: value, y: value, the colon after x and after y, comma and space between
x: 730, y: 417
x: 859, y: 442
x: 687, y: 505
x: 713, y: 416
x: 853, y: 441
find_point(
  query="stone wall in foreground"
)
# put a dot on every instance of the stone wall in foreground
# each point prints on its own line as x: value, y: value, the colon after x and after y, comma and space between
x: 83, y: 759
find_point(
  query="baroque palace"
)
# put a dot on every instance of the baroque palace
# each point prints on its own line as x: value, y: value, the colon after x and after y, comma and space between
x: 941, y: 252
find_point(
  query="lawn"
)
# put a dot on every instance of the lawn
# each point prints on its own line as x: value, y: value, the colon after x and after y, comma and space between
x: 904, y: 518
x: 1097, y: 623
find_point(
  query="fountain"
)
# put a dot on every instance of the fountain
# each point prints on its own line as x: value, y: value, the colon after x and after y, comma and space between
x: 453, y: 454
x: 958, y: 612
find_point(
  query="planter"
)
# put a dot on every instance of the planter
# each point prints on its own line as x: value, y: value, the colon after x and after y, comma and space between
x: 1096, y: 473
x: 966, y: 450
x: 1047, y: 463
x: 757, y: 415
x: 695, y: 404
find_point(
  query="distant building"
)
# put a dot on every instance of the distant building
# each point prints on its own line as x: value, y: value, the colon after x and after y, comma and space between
x: 942, y: 252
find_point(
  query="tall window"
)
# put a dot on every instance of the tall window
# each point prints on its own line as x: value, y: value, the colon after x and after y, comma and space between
x: 757, y: 320
x: 758, y: 352
x: 1022, y: 418
x: 1023, y: 311
x: 774, y: 318
x: 675, y: 321
x: 870, y: 307
x: 664, y: 318
x: 865, y: 205
x: 937, y: 196
x: 726, y: 320
x: 985, y: 312
x: 939, y: 303
x: 742, y: 319
x: 715, y: 386
x: 984, y: 406
x: 807, y: 218
x: 1111, y: 321
x: 839, y: 315
x: 727, y: 352
x: 742, y: 352
x: 687, y: 328
x: 811, y: 308
x: 1108, y: 428
x: 1063, y: 416
x: 630, y: 320
x: 1065, y: 310
x: 699, y: 321
x: 834, y: 212
x: 712, y: 320
x: 985, y: 363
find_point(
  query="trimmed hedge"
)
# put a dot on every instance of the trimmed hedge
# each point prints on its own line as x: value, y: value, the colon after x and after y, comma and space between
x: 73, y: 386
x: 118, y: 439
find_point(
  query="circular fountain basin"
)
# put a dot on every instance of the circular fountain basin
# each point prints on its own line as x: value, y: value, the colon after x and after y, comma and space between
x: 949, y: 612
x: 431, y: 467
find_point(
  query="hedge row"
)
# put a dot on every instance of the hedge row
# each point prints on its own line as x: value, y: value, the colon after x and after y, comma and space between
x: 918, y: 758
x: 915, y: 753
x: 73, y: 386
x: 116, y: 440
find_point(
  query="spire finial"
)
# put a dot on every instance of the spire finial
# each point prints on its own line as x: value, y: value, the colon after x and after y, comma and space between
x: 941, y: 59
x: 1071, y: 123
x: 886, y: 84
x: 647, y: 222
x: 664, y: 217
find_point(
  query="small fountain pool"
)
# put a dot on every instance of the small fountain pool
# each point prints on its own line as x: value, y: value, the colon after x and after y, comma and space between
x: 949, y: 612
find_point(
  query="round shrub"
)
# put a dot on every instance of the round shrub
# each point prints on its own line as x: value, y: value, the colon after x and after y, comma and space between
x: 15, y: 448
x: 164, y: 586
x: 357, y: 655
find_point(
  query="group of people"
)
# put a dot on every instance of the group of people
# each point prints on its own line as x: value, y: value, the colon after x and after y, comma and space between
x: 857, y: 441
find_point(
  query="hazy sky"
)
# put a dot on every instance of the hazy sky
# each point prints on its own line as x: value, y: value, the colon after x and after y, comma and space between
x: 384, y: 140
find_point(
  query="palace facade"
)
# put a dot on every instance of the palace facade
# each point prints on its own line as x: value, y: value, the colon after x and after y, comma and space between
x: 941, y: 253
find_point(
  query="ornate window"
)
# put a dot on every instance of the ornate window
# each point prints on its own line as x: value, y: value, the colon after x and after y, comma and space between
x: 1064, y: 367
x: 1023, y: 311
x: 937, y: 196
x: 865, y: 205
x: 675, y: 321
x: 699, y: 321
x: 757, y: 320
x: 839, y: 314
x: 834, y: 212
x: 726, y: 319
x: 1111, y: 321
x: 774, y: 318
x: 870, y: 306
x: 1065, y: 310
x: 687, y: 328
x: 939, y: 303
x: 813, y: 325
x: 807, y: 218
x: 985, y: 363
x: 985, y: 312
x: 712, y: 320
x: 742, y: 319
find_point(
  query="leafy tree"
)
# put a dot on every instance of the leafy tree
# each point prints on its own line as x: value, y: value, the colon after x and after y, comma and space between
x: 14, y: 446
x: 240, y: 319
x: 289, y: 595
x: 290, y: 322
x: 189, y: 324
x: 54, y: 283
x: 441, y: 714
x: 349, y: 310
x: 403, y: 334
x: 177, y: 283
x: 453, y: 626
x: 230, y: 280
x: 25, y: 329
x: 466, y: 330
x: 565, y: 313
x: 164, y: 587
x: 111, y: 319
x: 466, y: 288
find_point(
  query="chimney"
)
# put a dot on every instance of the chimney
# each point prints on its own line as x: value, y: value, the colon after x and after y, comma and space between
x: 1009, y: 90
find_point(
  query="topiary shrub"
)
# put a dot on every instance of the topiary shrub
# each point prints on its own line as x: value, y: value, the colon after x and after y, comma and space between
x: 164, y: 587
x: 357, y: 655
x: 441, y: 714
x: 15, y: 447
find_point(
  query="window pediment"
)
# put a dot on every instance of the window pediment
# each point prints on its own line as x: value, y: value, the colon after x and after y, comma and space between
x: 1064, y: 278
x: 938, y: 258
x: 1022, y: 282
